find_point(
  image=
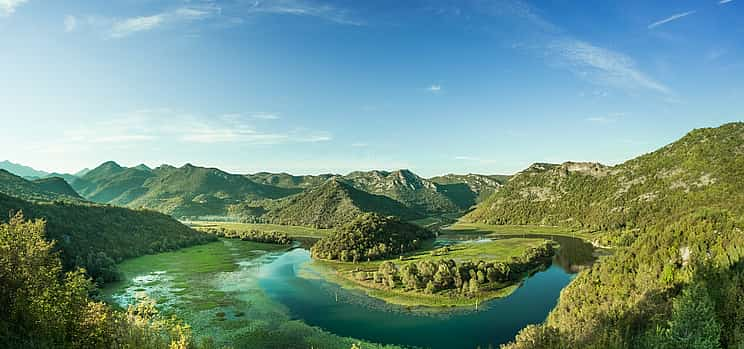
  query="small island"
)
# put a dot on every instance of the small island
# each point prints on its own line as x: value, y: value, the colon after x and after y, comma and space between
x: 399, y: 263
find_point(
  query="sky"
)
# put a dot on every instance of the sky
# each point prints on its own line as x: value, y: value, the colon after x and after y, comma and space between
x: 300, y: 86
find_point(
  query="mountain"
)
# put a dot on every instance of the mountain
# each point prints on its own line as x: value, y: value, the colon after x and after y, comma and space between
x: 469, y: 189
x: 21, y: 170
x: 40, y: 190
x: 57, y: 185
x: 112, y: 183
x: 333, y: 204
x: 703, y: 169
x: 185, y: 191
x: 285, y: 180
x: 81, y: 172
x: 675, y: 218
x: 407, y: 188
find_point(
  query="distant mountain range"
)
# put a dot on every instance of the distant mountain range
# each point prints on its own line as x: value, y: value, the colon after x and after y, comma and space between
x: 50, y: 189
x: 192, y: 191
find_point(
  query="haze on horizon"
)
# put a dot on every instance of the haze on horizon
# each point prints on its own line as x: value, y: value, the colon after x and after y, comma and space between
x: 335, y: 86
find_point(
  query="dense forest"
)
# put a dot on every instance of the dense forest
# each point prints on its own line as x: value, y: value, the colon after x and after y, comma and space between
x: 95, y: 237
x: 464, y: 278
x: 45, y: 307
x: 675, y: 216
x: 269, y: 237
x: 370, y: 236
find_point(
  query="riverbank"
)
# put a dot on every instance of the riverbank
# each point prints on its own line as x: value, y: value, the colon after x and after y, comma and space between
x: 475, y: 272
x: 485, y: 230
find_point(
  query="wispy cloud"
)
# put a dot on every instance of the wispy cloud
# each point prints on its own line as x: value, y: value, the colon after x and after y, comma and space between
x: 8, y: 7
x: 227, y: 14
x: 70, y: 23
x: 302, y: 8
x: 606, y: 119
x: 725, y: 1
x: 265, y: 116
x: 165, y: 124
x: 434, y: 88
x: 602, y: 66
x: 598, y: 65
x: 671, y: 18
x: 128, y: 26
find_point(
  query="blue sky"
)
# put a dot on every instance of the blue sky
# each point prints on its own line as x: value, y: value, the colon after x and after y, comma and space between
x: 334, y: 86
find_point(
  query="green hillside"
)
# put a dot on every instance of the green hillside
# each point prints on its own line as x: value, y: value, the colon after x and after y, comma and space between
x: 57, y: 185
x: 406, y: 187
x: 111, y: 183
x: 469, y: 189
x: 95, y: 236
x: 43, y: 190
x: 675, y: 217
x: 703, y: 169
x: 333, y: 204
x: 185, y: 191
x: 285, y: 180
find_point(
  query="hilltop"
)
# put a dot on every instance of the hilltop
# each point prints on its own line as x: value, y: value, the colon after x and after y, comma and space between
x: 57, y: 185
x: 286, y: 180
x: 40, y: 190
x: 333, y: 204
x: 404, y: 186
x: 22, y: 170
x: 179, y: 191
x: 469, y: 189
x: 705, y: 168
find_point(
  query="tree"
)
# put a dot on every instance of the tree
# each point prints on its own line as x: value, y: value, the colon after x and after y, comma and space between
x: 694, y: 324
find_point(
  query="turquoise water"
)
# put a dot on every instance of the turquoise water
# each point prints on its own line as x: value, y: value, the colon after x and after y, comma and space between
x: 352, y: 314
x: 268, y: 298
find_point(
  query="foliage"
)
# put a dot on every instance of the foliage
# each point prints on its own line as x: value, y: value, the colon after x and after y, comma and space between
x: 368, y: 237
x: 466, y: 278
x: 334, y: 204
x: 271, y: 237
x: 45, y: 307
x: 675, y: 218
x: 95, y: 237
x: 53, y: 189
x: 703, y: 169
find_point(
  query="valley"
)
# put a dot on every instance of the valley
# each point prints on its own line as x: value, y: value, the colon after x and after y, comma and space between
x: 380, y: 259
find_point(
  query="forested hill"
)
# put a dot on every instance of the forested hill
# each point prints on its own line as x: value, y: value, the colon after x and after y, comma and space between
x: 57, y: 185
x: 44, y: 190
x: 333, y: 204
x: 285, y: 180
x: 705, y: 168
x: 469, y: 189
x: 404, y: 186
x: 97, y: 236
x: 184, y: 191
x: 676, y: 220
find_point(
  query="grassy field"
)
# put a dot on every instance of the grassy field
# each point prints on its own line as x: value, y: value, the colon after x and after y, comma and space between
x: 492, y: 251
x: 479, y: 229
x: 291, y: 230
